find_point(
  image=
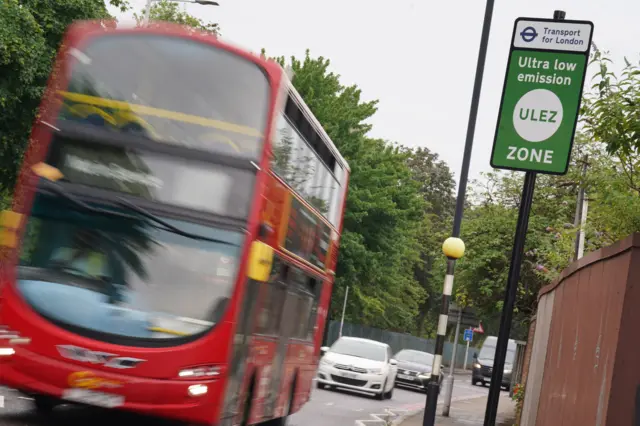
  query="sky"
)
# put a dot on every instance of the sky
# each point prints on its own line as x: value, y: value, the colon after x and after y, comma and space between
x: 417, y: 57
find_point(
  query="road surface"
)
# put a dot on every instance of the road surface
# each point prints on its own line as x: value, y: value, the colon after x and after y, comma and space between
x: 344, y: 408
x: 325, y: 408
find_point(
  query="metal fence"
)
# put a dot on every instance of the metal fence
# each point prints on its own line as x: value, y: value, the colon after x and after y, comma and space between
x: 399, y: 341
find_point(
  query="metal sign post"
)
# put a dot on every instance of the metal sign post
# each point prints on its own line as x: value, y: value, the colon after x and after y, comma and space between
x: 344, y: 309
x: 536, y: 125
x: 468, y: 337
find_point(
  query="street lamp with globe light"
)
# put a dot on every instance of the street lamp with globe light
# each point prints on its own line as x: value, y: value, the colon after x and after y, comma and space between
x: 147, y: 10
x: 453, y: 248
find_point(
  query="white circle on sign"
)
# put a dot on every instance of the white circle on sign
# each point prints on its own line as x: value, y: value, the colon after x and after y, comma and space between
x: 537, y: 115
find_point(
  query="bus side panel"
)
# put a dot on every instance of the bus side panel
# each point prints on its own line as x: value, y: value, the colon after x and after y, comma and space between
x: 263, y: 350
x: 299, y: 360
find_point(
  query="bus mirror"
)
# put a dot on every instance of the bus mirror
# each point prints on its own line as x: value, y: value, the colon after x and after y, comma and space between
x: 260, y: 261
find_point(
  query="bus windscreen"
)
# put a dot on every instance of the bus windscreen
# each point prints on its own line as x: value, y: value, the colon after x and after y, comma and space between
x: 169, y: 89
x: 124, y: 279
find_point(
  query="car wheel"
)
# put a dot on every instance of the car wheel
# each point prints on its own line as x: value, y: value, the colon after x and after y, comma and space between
x: 389, y: 394
x: 320, y: 385
x: 382, y: 393
x: 474, y: 382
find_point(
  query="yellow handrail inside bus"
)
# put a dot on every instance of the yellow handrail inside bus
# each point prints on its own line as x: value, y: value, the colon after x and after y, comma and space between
x: 161, y: 113
x: 84, y: 110
x: 125, y: 117
x: 168, y: 331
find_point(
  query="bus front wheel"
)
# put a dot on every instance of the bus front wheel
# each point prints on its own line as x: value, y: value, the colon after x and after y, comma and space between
x: 44, y: 404
x: 283, y: 421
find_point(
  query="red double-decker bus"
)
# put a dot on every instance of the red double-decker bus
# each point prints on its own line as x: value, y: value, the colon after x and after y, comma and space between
x: 174, y: 233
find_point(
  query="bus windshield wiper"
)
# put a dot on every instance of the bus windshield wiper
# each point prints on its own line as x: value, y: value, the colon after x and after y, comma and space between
x: 53, y: 187
x: 169, y: 227
x: 47, y: 184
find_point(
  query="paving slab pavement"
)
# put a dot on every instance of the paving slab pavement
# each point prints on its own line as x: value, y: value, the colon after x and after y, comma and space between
x: 469, y: 412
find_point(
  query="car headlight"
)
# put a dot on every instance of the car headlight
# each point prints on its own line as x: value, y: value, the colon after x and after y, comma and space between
x: 326, y: 362
x: 507, y: 371
x: 477, y: 365
x: 424, y: 376
x: 374, y: 370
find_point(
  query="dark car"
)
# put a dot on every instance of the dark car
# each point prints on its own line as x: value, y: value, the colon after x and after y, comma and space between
x: 414, y: 369
x: 483, y: 363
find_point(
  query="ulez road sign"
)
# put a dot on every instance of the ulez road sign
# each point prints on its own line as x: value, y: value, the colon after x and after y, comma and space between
x: 541, y: 95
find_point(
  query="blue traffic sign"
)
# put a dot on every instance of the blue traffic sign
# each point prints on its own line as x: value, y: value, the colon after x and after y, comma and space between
x: 468, y: 335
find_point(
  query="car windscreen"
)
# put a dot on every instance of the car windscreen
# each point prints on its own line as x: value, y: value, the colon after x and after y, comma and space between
x: 489, y: 352
x: 360, y: 349
x: 169, y: 89
x: 416, y: 357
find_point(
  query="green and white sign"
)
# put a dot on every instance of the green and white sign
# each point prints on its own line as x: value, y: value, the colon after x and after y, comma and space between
x: 541, y: 95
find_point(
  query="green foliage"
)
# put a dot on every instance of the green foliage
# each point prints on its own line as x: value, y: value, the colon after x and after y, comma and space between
x: 489, y: 226
x: 611, y: 116
x: 436, y: 186
x: 169, y: 11
x: 611, y: 111
x: 23, y: 66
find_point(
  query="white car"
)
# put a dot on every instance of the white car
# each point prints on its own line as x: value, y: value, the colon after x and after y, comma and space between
x: 358, y: 364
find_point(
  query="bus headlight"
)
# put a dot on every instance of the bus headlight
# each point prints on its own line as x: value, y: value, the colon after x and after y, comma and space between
x: 199, y: 372
x: 198, y: 390
x: 7, y: 351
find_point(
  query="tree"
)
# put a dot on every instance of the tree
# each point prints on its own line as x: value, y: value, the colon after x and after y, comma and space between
x: 489, y: 226
x: 30, y: 35
x: 611, y: 110
x: 436, y: 186
x: 169, y: 11
x: 611, y: 117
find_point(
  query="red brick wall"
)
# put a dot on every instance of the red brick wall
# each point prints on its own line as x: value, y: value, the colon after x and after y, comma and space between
x: 527, y: 359
x: 527, y: 352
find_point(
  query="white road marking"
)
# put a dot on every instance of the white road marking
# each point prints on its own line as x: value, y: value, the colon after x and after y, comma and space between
x: 329, y: 403
x: 1, y: 401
